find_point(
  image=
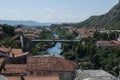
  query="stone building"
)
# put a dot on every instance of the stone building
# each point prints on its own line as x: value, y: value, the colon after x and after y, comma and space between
x: 51, y: 66
x: 42, y: 66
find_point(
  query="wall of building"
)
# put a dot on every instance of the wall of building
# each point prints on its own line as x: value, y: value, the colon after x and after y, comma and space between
x: 62, y: 75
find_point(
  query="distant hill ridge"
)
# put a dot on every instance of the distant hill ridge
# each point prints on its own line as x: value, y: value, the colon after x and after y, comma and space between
x: 29, y: 22
x: 109, y: 20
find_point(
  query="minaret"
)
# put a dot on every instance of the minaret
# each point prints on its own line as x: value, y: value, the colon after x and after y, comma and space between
x: 21, y: 40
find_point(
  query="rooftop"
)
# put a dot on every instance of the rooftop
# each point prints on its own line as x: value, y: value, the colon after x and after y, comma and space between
x: 94, y: 75
x: 10, y: 51
x: 50, y: 63
x: 15, y: 69
x: 112, y: 43
x: 34, y: 78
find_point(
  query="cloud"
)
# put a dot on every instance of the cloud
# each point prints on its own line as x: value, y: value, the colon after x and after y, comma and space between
x: 49, y: 10
x: 46, y: 15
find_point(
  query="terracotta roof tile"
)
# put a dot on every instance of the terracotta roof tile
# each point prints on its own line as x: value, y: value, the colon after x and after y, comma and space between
x: 85, y: 35
x: 10, y: 52
x: 15, y: 68
x: 31, y: 35
x: 50, y: 64
x: 109, y: 43
x: 15, y: 51
x: 3, y: 49
x: 34, y: 78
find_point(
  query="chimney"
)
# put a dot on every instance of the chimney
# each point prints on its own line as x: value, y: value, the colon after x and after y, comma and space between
x: 22, y: 77
x: 13, y: 55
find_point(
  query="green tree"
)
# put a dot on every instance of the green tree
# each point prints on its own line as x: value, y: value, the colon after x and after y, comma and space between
x: 8, y: 29
x: 9, y: 43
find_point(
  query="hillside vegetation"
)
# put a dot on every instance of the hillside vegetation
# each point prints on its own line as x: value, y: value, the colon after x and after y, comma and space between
x: 110, y: 20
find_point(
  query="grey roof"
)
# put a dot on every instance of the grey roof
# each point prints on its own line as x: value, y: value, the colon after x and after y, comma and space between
x: 2, y: 77
x: 3, y: 54
x: 94, y: 75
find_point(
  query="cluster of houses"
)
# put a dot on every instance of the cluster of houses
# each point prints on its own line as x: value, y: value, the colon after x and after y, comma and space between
x: 108, y: 44
x: 89, y: 32
x: 17, y: 64
x: 81, y: 32
x: 30, y: 32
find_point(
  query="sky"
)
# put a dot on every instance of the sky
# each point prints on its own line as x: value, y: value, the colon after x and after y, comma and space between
x: 45, y: 11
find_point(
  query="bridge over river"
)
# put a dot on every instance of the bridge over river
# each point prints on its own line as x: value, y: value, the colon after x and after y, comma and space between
x: 37, y: 40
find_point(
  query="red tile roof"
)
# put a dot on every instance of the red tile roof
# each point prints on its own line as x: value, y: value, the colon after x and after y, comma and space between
x: 85, y: 35
x: 31, y: 35
x: 11, y: 51
x: 50, y: 64
x: 15, y: 51
x: 3, y: 49
x: 81, y: 30
x: 34, y: 78
x: 109, y: 43
x: 15, y: 69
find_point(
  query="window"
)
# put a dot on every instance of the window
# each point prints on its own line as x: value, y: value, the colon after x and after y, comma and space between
x: 31, y: 72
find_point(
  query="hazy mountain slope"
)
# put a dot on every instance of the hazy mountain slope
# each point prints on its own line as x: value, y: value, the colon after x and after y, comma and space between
x: 29, y: 23
x: 108, y: 20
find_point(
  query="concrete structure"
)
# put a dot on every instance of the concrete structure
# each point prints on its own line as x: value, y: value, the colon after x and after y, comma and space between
x: 3, y: 77
x: 94, y: 75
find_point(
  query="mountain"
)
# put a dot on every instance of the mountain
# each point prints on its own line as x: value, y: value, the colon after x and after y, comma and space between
x: 109, y: 20
x: 29, y: 23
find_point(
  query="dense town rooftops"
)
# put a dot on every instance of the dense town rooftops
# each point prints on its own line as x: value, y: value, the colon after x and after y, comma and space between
x: 112, y: 43
x: 85, y: 35
x: 49, y: 63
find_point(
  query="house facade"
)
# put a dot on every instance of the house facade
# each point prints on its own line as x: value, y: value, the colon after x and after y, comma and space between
x: 42, y: 66
x: 108, y: 44
x: 51, y: 66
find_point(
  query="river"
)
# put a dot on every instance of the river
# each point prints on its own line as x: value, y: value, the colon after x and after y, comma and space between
x: 56, y: 49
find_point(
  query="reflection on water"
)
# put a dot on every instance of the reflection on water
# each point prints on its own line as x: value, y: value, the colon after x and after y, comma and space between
x: 56, y: 36
x: 56, y: 49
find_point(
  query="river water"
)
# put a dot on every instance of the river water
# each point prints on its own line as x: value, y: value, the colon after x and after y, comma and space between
x: 56, y: 49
